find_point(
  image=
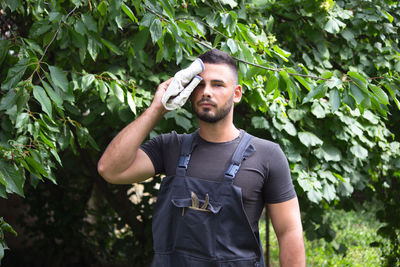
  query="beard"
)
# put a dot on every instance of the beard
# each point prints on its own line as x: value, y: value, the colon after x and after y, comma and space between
x: 205, y: 114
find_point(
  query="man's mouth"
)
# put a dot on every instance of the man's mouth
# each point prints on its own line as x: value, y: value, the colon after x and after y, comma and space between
x: 206, y: 103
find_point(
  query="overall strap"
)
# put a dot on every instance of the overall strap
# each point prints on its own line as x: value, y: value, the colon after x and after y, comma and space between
x: 238, y: 157
x: 187, y: 147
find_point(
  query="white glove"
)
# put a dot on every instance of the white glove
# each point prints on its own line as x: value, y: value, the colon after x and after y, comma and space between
x: 182, y: 85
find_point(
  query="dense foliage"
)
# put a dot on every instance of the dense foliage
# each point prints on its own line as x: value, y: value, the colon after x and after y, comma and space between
x: 321, y: 78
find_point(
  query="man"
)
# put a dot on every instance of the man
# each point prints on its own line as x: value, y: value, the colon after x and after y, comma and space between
x: 218, y: 179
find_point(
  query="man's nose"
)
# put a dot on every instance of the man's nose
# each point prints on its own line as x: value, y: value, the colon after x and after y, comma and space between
x: 207, y: 90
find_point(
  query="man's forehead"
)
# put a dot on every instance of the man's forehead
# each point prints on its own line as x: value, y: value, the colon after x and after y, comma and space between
x: 217, y: 73
x: 216, y: 66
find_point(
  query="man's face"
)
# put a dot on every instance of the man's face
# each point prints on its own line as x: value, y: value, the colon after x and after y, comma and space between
x: 213, y: 98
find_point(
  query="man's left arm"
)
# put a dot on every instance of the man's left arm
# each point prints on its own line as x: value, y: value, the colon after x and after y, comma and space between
x: 286, y: 220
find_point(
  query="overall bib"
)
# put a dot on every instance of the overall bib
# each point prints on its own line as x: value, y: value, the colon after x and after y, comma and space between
x: 202, y: 223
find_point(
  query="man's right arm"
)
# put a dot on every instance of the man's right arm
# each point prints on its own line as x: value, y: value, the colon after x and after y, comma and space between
x: 123, y: 162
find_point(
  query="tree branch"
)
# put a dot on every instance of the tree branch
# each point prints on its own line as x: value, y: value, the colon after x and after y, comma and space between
x: 263, y: 67
x: 47, y: 47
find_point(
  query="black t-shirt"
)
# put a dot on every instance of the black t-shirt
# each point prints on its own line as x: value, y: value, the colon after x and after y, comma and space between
x: 264, y: 176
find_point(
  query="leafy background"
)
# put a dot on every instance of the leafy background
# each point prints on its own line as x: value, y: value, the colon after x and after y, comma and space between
x: 320, y: 78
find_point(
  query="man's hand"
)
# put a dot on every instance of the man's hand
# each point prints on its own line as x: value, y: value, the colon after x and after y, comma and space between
x: 157, y: 100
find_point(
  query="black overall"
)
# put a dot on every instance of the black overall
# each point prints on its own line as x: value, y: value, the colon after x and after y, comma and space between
x: 202, y: 223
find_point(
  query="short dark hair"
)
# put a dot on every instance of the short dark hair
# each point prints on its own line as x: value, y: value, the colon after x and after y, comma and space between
x: 215, y: 56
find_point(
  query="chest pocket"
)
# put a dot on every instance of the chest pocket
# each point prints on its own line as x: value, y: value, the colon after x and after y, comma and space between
x: 196, y: 219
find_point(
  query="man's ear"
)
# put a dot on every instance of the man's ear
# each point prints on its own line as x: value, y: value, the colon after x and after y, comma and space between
x: 237, y: 94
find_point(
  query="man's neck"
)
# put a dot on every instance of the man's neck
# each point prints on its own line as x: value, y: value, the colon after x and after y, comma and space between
x: 218, y: 132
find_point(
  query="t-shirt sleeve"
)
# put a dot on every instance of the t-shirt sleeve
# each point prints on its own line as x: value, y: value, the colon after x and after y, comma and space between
x: 153, y: 148
x: 278, y: 186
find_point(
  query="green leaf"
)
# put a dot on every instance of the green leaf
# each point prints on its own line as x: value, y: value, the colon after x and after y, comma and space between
x: 330, y: 153
x: 199, y: 28
x: 334, y: 100
x: 391, y: 91
x: 168, y: 8
x: 3, y: 190
x: 80, y: 28
x: 272, y: 83
x: 232, y: 3
x: 318, y: 110
x: 8, y: 101
x: 140, y: 39
x: 59, y: 78
x: 46, y: 140
x: 3, y: 49
x: 129, y: 12
x: 334, y: 82
x: 56, y: 98
x: 40, y: 95
x: 14, y: 180
x: 293, y: 154
x: 147, y: 19
x: 290, y: 87
x: 358, y: 95
x: 180, y: 120
x: 348, y: 35
x: 35, y: 47
x: 39, y: 28
x: 348, y: 100
x: 359, y: 80
x: 327, y: 75
x: 247, y: 53
x: 178, y: 53
x: 372, y: 118
x: 309, y: 139
x: 282, y: 53
x: 35, y: 166
x: 387, y: 15
x: 345, y: 188
x: 314, y: 196
x: 15, y: 74
x: 6, y: 228
x: 303, y: 82
x: 89, y: 22
x: 259, y: 122
x: 333, y: 25
x: 87, y: 81
x: 84, y: 137
x: 13, y: 5
x: 102, y: 8
x: 118, y: 92
x: 380, y: 94
x: 296, y: 114
x: 82, y: 134
x: 316, y: 93
x: 131, y: 102
x: 103, y: 89
x: 290, y: 128
x: 359, y: 152
x: 93, y: 48
x: 156, y: 30
x: 56, y: 156
x: 111, y: 46
x: 21, y: 121
x: 329, y: 192
x: 232, y: 45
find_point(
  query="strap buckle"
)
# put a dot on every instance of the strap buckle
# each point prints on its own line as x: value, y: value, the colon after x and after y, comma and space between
x: 183, y: 161
x: 232, y: 170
